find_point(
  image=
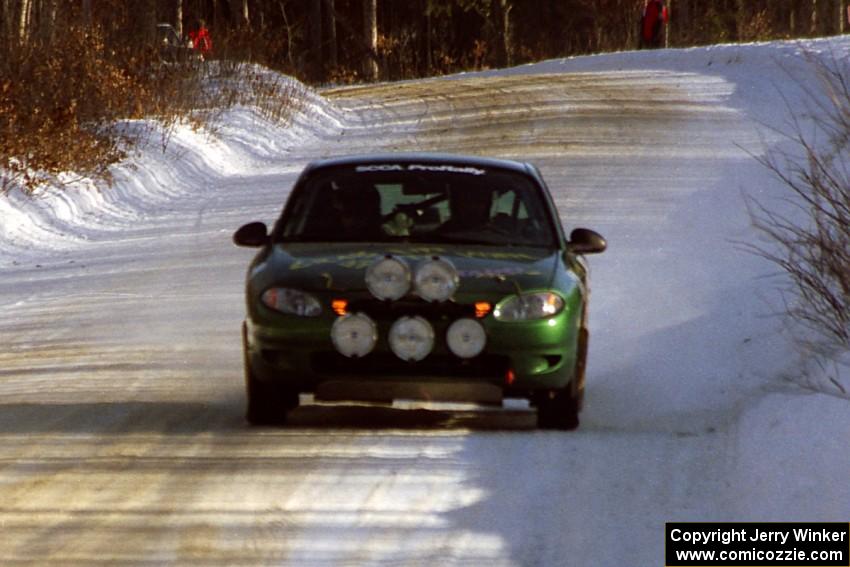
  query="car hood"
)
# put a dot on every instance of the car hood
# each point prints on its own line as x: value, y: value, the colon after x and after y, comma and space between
x: 342, y: 267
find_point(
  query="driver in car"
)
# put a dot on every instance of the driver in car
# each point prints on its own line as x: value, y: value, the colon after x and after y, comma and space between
x: 469, y: 209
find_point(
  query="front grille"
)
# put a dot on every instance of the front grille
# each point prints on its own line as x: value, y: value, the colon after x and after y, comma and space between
x: 392, y: 310
x: 486, y: 366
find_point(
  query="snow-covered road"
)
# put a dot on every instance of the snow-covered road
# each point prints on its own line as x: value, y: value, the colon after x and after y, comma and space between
x: 121, y: 397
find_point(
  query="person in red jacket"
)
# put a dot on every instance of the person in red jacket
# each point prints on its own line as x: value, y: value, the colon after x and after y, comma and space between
x: 652, y: 23
x: 201, y: 40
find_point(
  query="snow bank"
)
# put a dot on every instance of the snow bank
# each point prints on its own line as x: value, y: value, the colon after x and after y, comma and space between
x: 172, y: 164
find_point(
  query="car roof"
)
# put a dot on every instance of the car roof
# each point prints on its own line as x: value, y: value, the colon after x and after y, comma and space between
x: 421, y: 157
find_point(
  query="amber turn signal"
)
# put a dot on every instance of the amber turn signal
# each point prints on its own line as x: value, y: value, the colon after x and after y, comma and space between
x: 340, y: 306
x: 482, y: 308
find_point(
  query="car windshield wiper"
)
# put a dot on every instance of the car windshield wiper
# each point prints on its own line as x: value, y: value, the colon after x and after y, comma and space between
x: 455, y: 238
x: 342, y: 239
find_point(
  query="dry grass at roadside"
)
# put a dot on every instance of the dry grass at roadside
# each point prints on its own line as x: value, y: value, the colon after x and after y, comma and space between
x: 811, y: 245
x: 62, y: 105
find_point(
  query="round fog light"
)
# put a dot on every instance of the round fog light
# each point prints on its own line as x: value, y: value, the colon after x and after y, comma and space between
x: 411, y: 338
x: 466, y: 338
x: 354, y: 335
x: 435, y: 280
x: 388, y: 278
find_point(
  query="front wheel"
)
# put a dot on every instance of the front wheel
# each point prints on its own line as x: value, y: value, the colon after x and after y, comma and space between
x: 267, y: 402
x: 559, y: 409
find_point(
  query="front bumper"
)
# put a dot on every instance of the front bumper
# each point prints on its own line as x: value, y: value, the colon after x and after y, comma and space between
x: 433, y: 390
x: 519, y: 359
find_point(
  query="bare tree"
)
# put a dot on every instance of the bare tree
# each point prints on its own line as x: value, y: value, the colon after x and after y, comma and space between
x: 24, y: 18
x: 47, y: 18
x: 239, y: 9
x: 315, y: 18
x: 682, y: 15
x: 370, y: 32
x: 499, y: 22
x: 429, y: 64
x: 214, y: 11
x: 793, y: 11
x: 360, y: 44
x: 6, y: 21
x: 87, y: 13
x: 290, y: 34
x: 178, y: 17
x: 329, y: 27
x: 811, y: 243
x: 144, y: 16
x: 741, y: 17
x: 813, y: 29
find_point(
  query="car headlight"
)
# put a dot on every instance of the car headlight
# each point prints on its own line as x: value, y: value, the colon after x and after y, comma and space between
x: 388, y: 278
x: 291, y: 301
x: 411, y: 338
x: 466, y: 338
x: 354, y: 335
x: 435, y: 280
x: 529, y: 306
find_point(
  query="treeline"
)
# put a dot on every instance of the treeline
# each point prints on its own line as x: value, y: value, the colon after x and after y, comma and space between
x: 349, y: 40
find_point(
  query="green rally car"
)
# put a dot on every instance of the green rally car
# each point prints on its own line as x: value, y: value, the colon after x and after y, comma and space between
x: 417, y: 276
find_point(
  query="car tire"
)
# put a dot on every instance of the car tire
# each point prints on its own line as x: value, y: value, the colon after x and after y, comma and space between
x: 559, y: 409
x: 267, y: 403
x: 581, y: 367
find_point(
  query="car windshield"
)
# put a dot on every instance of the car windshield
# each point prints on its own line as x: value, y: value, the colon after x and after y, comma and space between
x: 428, y: 203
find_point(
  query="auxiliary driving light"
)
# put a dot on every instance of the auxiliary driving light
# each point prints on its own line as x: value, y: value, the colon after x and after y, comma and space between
x: 435, y: 280
x: 411, y: 338
x: 466, y: 338
x: 354, y: 335
x: 388, y: 278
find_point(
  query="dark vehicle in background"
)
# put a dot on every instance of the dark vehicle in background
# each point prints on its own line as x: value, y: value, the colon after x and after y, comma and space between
x: 172, y: 48
x: 417, y: 276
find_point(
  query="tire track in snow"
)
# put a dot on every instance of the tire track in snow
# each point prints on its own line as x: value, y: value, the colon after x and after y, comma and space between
x: 121, y: 425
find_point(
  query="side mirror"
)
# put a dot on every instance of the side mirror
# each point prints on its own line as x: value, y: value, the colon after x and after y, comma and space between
x: 253, y: 234
x: 586, y: 241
